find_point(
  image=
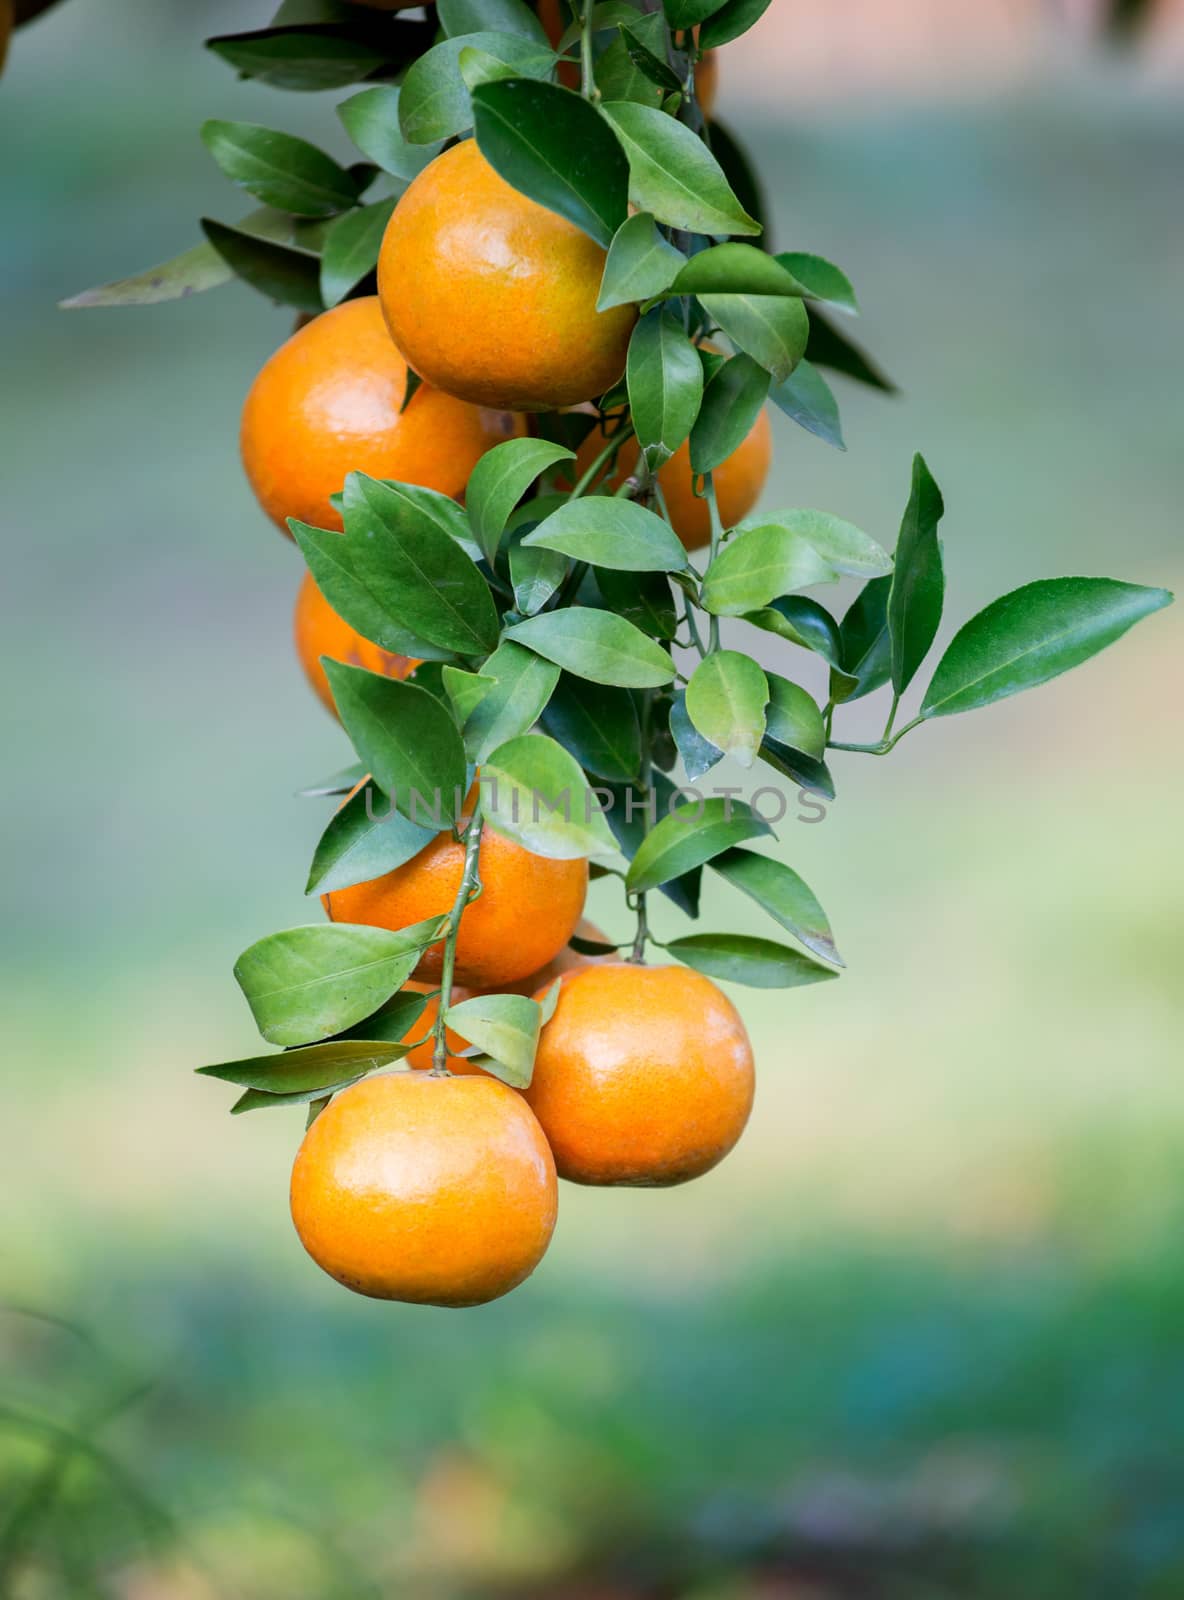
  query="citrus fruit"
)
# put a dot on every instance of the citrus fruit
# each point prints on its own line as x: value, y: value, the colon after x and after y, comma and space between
x: 567, y: 960
x: 707, y: 82
x: 643, y: 1075
x: 738, y: 480
x: 328, y: 403
x: 319, y: 631
x: 491, y: 297
x: 524, y: 915
x: 440, y: 1191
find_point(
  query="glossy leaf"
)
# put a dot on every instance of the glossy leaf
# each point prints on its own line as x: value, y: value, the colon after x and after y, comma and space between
x: 524, y: 682
x: 732, y: 402
x: 535, y: 793
x: 436, y: 103
x: 803, y: 622
x: 793, y: 718
x: 393, y: 1020
x: 339, y: 783
x: 729, y: 21
x: 465, y: 691
x: 820, y: 278
x: 641, y: 263
x: 665, y: 380
x: 828, y: 347
x: 371, y: 119
x: 725, y: 701
x: 918, y: 582
x: 496, y: 16
x: 598, y: 646
x: 641, y: 598
x: 844, y: 547
x: 598, y: 725
x: 506, y: 1027
x: 554, y: 146
x: 1033, y: 634
x: 813, y: 776
x: 673, y: 175
x: 279, y: 169
x: 500, y: 479
x: 301, y: 58
x: 698, y: 754
x: 192, y: 272
x: 607, y: 532
x: 737, y: 958
x: 306, y: 983
x: 688, y: 838
x: 535, y: 574
x: 867, y: 650
x: 687, y: 13
x: 772, y: 329
x: 407, y: 739
x: 372, y: 613
x: 736, y: 268
x: 806, y: 398
x: 634, y: 811
x: 364, y: 839
x: 260, y: 1100
x: 289, y: 276
x: 619, y: 81
x: 786, y: 897
x: 758, y: 564
x: 313, y: 1066
x: 351, y: 249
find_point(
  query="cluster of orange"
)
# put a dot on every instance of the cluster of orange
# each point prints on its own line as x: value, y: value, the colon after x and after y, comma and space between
x: 441, y: 1188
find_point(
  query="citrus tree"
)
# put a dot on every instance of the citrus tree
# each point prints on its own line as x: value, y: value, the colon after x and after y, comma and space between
x: 518, y: 438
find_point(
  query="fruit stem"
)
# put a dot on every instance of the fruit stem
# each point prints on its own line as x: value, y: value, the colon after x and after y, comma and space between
x: 883, y: 746
x: 468, y: 883
x: 646, y: 775
x: 611, y: 450
x: 587, y: 77
x: 717, y: 533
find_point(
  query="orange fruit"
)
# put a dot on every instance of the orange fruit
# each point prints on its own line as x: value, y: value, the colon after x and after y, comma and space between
x: 643, y: 1075
x: 707, y: 82
x: 421, y: 1057
x: 526, y: 912
x: 491, y: 297
x: 319, y: 631
x: 738, y: 480
x: 440, y: 1191
x: 327, y: 403
x: 567, y: 960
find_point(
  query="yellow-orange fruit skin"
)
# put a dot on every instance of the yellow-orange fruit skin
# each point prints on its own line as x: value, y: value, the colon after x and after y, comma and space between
x: 568, y: 960
x: 644, y: 1076
x: 738, y: 480
x: 421, y: 1057
x: 491, y: 297
x: 318, y: 631
x: 707, y: 82
x: 439, y: 1191
x: 525, y: 914
x: 327, y: 403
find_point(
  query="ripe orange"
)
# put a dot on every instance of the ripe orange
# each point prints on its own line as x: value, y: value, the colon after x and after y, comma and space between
x: 525, y: 914
x: 643, y: 1075
x: 707, y: 82
x: 738, y: 480
x: 491, y: 297
x: 421, y: 1057
x: 327, y: 403
x: 319, y: 631
x: 567, y: 960
x: 440, y: 1191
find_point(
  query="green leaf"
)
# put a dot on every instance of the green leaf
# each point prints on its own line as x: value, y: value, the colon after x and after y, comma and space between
x: 534, y: 574
x: 465, y: 691
x: 437, y: 104
x: 311, y: 1067
x: 555, y: 147
x: 279, y: 169
x: 820, y: 279
x: 524, y: 684
x: 598, y: 725
x: 730, y: 21
x: 740, y: 173
x: 506, y: 1027
x: 618, y: 80
x: 306, y: 983
x: 366, y: 838
x: 1033, y: 634
x: 330, y: 562
x: 656, y: 68
x: 260, y: 1100
x: 393, y: 1020
x: 596, y: 645
x: 416, y: 501
x: 772, y: 329
x: 726, y: 701
x: 840, y: 544
x: 673, y: 175
x: 758, y: 564
x: 500, y: 479
x: 610, y: 533
x: 759, y: 963
x: 688, y: 838
x: 828, y: 347
x: 813, y: 776
x: 698, y: 754
x: 803, y: 622
x: 731, y: 404
x: 407, y: 739
x: 687, y: 13
x: 629, y: 818
x: 340, y: 783
x: 606, y: 14
x: 421, y: 574
x: 301, y: 58
x: 192, y: 272
x: 806, y: 398
x: 867, y: 649
x: 779, y: 890
x: 494, y: 16
x: 351, y: 249
x: 665, y: 379
x: 793, y: 718
x: 641, y: 598
x: 735, y: 268
x: 284, y: 274
x: 918, y: 582
x: 536, y: 794
x: 641, y: 263
x: 371, y: 119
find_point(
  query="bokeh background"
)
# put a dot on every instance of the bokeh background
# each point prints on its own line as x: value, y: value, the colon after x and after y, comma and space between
x: 923, y: 1334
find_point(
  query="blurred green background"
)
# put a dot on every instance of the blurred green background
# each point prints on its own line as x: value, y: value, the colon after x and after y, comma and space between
x: 923, y: 1333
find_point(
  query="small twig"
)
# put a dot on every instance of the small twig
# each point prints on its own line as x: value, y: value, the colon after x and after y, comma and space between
x: 468, y: 882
